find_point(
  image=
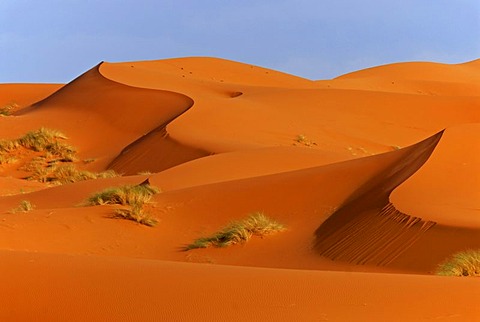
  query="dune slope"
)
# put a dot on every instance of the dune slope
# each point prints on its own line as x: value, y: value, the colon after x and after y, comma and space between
x: 374, y: 175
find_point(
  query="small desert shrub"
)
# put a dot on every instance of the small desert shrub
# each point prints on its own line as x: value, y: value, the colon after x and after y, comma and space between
x: 124, y: 195
x: 302, y: 139
x: 66, y: 173
x: 41, y: 139
x: 7, y: 110
x: 49, y: 165
x: 63, y: 151
x: 239, y: 232
x: 466, y: 263
x: 7, y: 158
x: 8, y: 145
x: 134, y: 197
x: 25, y: 206
x: 136, y: 213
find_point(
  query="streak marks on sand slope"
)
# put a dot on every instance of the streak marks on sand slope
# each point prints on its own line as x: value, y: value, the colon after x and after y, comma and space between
x: 374, y: 237
x: 367, y: 229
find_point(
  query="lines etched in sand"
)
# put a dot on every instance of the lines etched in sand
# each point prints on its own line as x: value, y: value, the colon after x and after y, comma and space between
x: 373, y: 237
x: 368, y: 229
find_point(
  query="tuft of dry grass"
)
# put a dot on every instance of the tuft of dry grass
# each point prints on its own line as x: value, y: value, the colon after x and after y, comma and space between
x: 65, y: 173
x: 136, y: 213
x: 8, y: 109
x: 466, y: 263
x: 41, y: 139
x: 7, y: 158
x: 51, y: 154
x: 25, y: 206
x: 8, y: 145
x: 124, y: 195
x: 132, y: 196
x: 239, y: 232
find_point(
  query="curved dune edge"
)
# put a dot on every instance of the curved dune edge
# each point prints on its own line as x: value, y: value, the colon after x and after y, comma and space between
x: 367, y: 229
x: 155, y: 152
x: 302, y: 200
x: 145, y: 115
x: 25, y: 94
x: 447, y: 188
x: 62, y: 262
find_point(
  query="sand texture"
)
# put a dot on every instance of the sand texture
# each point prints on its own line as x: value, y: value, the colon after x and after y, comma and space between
x: 374, y: 176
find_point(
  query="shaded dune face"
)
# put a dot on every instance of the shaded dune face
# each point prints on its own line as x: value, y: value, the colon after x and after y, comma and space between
x: 367, y: 229
x: 154, y: 152
x: 128, y: 108
x: 96, y: 110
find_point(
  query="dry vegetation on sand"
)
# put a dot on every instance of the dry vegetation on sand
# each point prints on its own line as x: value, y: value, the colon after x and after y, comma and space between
x: 24, y: 206
x: 54, y: 162
x: 466, y: 263
x: 132, y: 196
x: 8, y: 109
x: 239, y: 232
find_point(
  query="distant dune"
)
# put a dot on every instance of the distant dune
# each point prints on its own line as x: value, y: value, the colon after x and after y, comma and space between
x: 374, y: 175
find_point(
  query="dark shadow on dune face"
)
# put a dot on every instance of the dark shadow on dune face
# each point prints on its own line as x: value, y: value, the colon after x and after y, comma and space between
x: 154, y: 152
x: 131, y: 109
x: 367, y: 229
x: 139, y: 111
x: 235, y: 94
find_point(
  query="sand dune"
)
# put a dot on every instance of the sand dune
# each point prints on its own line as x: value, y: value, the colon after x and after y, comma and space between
x: 374, y: 174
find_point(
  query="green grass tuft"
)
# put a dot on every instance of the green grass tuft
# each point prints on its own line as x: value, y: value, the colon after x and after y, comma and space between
x: 466, y: 263
x: 239, y: 232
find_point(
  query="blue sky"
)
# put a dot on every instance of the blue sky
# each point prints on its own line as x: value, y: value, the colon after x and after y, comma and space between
x: 57, y: 40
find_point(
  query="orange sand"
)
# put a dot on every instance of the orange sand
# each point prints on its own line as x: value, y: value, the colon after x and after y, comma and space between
x: 374, y: 174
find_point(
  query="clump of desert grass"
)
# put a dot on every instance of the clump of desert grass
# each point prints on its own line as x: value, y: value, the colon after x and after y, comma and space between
x: 465, y: 263
x: 59, y: 173
x: 7, y: 158
x: 8, y: 109
x: 124, y: 195
x: 42, y: 140
x: 241, y: 231
x: 133, y: 197
x: 136, y: 213
x: 54, y: 160
x: 24, y: 206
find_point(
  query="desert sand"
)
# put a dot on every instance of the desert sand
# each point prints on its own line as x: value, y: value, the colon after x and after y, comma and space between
x: 374, y: 175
